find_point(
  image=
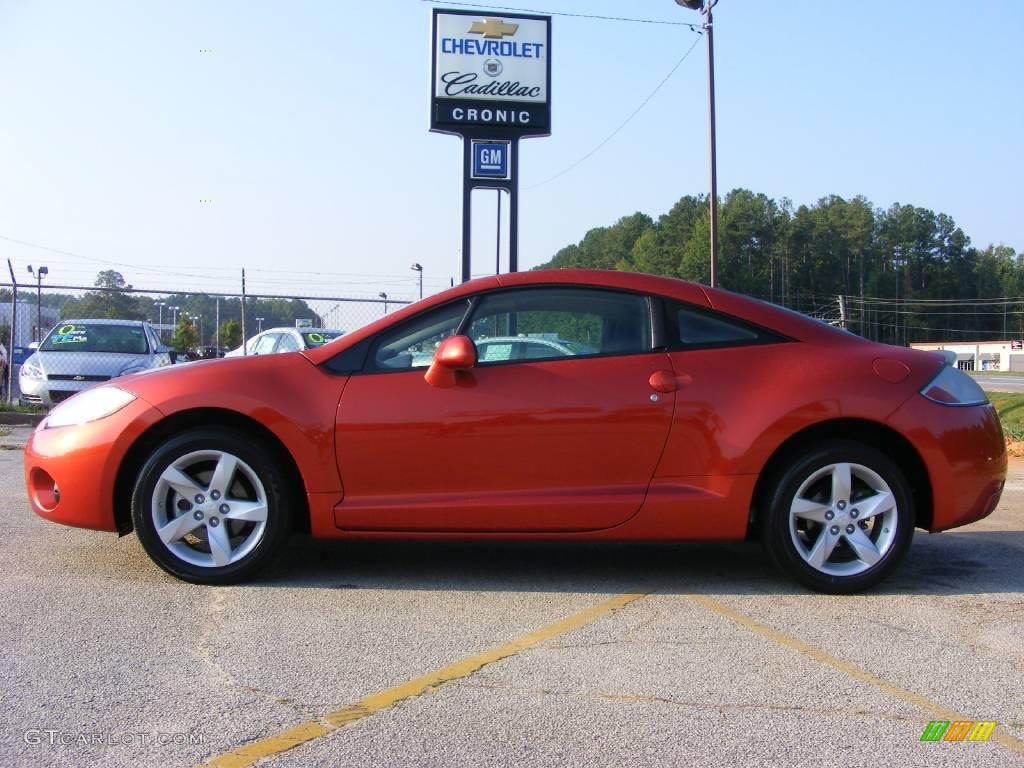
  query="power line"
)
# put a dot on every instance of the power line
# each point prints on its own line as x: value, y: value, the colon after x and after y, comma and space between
x: 624, y: 123
x: 694, y: 27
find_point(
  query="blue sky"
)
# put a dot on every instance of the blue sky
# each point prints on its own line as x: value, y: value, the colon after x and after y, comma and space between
x: 307, y: 127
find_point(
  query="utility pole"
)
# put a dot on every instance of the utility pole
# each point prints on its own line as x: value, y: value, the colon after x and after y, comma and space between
x: 705, y: 6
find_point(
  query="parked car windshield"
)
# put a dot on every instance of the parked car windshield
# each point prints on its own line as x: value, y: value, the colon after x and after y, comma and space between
x: 318, y: 338
x: 91, y: 337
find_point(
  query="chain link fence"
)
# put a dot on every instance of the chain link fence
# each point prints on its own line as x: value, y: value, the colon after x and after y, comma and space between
x: 56, y: 340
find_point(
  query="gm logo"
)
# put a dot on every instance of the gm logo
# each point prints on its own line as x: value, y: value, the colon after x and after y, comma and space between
x: 490, y: 160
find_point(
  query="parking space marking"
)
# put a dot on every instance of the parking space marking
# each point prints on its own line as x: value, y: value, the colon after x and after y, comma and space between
x: 858, y: 673
x: 332, y: 721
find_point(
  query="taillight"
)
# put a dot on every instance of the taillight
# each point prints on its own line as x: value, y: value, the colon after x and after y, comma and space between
x: 954, y: 387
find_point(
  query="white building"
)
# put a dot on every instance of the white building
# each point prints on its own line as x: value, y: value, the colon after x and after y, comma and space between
x: 982, y: 355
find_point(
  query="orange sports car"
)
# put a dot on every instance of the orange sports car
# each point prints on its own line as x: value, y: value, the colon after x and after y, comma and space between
x: 607, y: 405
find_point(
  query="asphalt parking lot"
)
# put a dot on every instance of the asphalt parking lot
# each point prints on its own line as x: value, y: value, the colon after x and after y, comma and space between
x: 503, y: 654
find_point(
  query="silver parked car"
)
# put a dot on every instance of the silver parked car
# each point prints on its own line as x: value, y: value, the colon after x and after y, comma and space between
x: 77, y: 354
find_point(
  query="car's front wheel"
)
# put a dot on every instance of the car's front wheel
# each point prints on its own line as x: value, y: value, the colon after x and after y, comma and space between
x: 210, y: 506
x: 840, y: 518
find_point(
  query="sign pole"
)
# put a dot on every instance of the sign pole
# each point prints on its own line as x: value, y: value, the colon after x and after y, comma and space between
x: 490, y: 85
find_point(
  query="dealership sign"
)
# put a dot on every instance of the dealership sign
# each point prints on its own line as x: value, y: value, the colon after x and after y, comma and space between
x: 491, y: 72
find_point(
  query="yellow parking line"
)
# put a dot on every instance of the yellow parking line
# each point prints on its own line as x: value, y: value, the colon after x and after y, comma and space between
x: 314, y: 729
x: 858, y: 673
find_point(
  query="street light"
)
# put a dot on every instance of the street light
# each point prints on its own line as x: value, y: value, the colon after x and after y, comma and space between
x: 385, y: 297
x: 160, y: 322
x: 174, y: 315
x: 419, y: 268
x: 259, y: 325
x: 705, y: 6
x: 39, y: 275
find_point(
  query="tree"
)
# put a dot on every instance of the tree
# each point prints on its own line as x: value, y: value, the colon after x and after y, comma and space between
x: 230, y: 334
x: 184, y: 337
x: 115, y: 302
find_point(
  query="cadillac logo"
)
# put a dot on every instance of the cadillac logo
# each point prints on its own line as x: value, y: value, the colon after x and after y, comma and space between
x: 492, y: 67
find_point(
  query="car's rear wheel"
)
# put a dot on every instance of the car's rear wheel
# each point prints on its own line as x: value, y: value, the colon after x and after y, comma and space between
x: 210, y: 507
x: 840, y: 518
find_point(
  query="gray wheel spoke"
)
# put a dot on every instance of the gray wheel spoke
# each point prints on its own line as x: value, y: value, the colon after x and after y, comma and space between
x: 182, y: 484
x: 178, y: 528
x: 822, y: 548
x: 224, y: 474
x: 220, y: 545
x: 810, y: 510
x: 865, y: 548
x: 842, y: 482
x: 875, y: 505
x: 248, y: 511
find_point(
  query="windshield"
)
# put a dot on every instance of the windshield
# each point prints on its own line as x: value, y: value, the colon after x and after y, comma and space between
x: 319, y: 338
x: 90, y: 337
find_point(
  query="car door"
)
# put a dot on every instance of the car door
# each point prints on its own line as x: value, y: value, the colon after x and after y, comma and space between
x: 567, y: 443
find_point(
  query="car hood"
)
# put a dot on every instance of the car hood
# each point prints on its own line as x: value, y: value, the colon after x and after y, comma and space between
x: 90, y: 363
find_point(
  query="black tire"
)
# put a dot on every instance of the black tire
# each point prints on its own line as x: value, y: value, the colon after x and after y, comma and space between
x: 257, y: 547
x: 790, y: 542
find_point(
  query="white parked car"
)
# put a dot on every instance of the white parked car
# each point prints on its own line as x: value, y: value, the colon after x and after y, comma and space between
x: 276, y: 340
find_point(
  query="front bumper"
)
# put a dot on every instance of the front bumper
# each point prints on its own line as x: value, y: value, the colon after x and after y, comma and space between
x: 965, y: 455
x: 70, y: 471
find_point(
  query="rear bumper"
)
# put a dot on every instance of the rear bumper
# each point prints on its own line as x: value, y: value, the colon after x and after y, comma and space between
x: 965, y: 455
x: 83, y: 462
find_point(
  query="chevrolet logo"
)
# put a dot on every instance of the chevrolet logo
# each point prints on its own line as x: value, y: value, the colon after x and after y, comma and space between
x: 79, y: 378
x: 493, y: 28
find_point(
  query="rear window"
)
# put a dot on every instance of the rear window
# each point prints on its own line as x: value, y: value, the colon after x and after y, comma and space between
x: 90, y: 337
x: 689, y: 327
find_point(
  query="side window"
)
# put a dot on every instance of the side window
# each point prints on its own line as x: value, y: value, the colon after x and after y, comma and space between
x: 691, y: 327
x: 412, y: 344
x: 288, y: 343
x: 265, y: 345
x: 554, y: 323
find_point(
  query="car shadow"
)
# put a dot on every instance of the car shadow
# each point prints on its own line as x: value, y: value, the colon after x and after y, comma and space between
x: 966, y: 562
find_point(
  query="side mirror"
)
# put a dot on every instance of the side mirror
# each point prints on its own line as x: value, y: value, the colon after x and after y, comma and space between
x: 173, y: 355
x: 456, y: 353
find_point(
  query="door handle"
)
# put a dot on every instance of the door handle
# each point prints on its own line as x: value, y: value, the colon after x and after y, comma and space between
x: 663, y: 381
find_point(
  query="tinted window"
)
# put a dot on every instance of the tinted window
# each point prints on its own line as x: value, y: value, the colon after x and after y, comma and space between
x: 552, y: 323
x: 690, y: 326
x: 412, y: 344
x: 91, y: 337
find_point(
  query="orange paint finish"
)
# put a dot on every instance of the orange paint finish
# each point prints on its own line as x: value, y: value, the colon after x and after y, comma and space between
x: 83, y: 461
x: 964, y: 452
x: 284, y: 393
x: 568, y: 444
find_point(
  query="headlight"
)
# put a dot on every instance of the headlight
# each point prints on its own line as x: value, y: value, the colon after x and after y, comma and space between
x: 90, y: 405
x: 31, y: 369
x: 954, y: 387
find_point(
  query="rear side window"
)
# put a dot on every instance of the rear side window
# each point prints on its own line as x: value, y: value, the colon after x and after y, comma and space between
x: 689, y: 327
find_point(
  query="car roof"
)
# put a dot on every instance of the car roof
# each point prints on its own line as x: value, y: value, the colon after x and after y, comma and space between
x: 101, y: 321
x: 281, y: 328
x: 778, y: 319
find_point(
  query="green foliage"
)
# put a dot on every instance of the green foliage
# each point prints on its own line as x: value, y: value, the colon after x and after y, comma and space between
x: 231, y: 334
x: 117, y: 303
x: 185, y: 336
x: 887, y: 262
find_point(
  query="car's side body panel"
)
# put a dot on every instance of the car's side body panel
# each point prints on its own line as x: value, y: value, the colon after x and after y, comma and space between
x: 568, y: 444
